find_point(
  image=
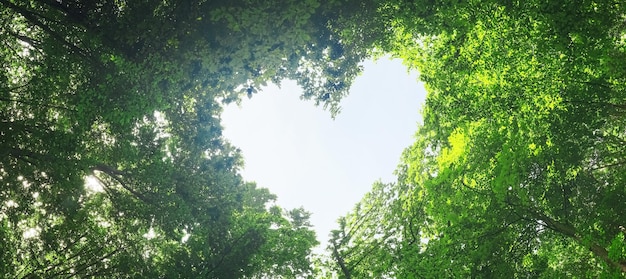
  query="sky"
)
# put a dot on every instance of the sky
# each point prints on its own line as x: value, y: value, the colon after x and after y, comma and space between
x: 309, y: 160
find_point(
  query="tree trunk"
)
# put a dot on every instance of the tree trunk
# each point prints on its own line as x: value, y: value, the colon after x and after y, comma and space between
x: 340, y: 262
x: 570, y: 231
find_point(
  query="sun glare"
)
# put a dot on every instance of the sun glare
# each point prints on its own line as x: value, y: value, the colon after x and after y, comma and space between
x: 92, y: 184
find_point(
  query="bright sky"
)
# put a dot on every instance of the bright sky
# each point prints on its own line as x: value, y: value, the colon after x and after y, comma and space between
x: 308, y: 159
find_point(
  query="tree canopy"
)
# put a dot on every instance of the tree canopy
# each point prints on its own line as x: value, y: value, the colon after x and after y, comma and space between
x: 113, y: 164
x: 126, y: 96
x: 518, y: 165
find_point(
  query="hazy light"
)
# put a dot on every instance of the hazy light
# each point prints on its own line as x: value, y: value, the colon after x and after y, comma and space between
x: 92, y: 183
x: 31, y: 233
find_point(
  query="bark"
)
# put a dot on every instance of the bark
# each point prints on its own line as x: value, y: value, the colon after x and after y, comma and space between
x: 569, y: 231
x: 340, y: 262
x: 34, y: 18
x: 119, y: 177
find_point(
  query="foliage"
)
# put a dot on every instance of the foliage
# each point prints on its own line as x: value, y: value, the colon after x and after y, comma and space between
x: 112, y: 162
x: 518, y: 166
x: 365, y: 243
x: 126, y: 96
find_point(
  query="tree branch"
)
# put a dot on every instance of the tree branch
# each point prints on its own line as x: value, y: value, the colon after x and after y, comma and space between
x: 95, y: 261
x: 117, y: 175
x: 33, y: 103
x: 32, y: 17
x: 340, y: 261
x: 33, y: 42
x: 501, y: 229
x: 570, y: 231
x: 616, y: 164
x: 65, y: 250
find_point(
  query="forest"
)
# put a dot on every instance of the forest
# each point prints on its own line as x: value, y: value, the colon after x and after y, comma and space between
x: 113, y: 163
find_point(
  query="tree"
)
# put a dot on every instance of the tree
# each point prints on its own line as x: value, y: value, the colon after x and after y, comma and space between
x: 518, y: 165
x: 519, y: 147
x: 365, y: 243
x: 128, y: 95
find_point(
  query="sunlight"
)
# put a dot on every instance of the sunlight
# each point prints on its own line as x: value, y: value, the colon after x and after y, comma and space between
x: 93, y: 184
x: 31, y: 233
x: 150, y: 234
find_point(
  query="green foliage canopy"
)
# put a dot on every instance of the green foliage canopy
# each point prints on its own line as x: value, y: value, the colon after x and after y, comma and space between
x: 127, y: 95
x: 518, y: 167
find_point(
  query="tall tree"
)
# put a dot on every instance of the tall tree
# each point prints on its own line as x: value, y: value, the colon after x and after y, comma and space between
x: 366, y: 241
x: 519, y: 147
x: 127, y: 94
x: 517, y: 168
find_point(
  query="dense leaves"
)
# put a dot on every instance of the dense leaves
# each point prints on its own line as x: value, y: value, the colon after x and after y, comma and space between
x: 125, y: 97
x: 518, y: 166
x: 112, y: 162
x: 364, y: 244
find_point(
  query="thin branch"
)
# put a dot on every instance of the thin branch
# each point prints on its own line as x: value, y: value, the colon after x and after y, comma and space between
x: 117, y: 175
x: 81, y: 252
x: 40, y: 15
x: 24, y: 154
x: 94, y: 262
x: 25, y: 39
x: 467, y: 186
x: 616, y: 164
x: 411, y: 232
x: 373, y: 246
x: 109, y: 170
x: 100, y: 273
x: 501, y: 229
x: 226, y: 251
x: 15, y: 88
x: 590, y: 83
x: 56, y: 5
x: 35, y: 103
x: 340, y: 261
x: 12, y: 48
x: 65, y: 250
x: 32, y: 17
x: 360, y: 222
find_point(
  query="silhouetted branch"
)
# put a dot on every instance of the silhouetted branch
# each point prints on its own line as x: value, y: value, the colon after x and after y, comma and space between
x: 33, y: 18
x: 118, y: 175
x: 34, y: 103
